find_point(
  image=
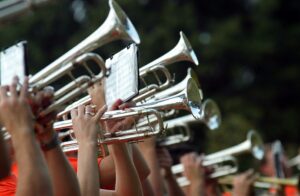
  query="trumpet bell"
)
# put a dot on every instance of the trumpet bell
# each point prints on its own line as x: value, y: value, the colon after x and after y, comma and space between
x: 183, y: 51
x: 211, y: 114
x: 193, y: 98
x: 116, y: 26
x: 189, y: 52
x: 124, y: 27
x: 257, y: 148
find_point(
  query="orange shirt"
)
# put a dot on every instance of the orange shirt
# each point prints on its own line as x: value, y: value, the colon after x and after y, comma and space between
x: 8, y: 185
x: 291, y: 191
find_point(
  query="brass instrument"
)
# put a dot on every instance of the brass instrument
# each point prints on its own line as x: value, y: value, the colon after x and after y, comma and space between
x: 172, y: 137
x: 253, y: 144
x: 178, y: 87
x: 116, y: 26
x: 222, y: 167
x: 132, y: 135
x: 264, y: 182
x: 188, y: 99
x: 294, y: 162
x: 210, y: 116
x: 182, y: 51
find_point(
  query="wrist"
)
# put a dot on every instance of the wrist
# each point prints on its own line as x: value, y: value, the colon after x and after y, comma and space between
x: 88, y: 144
x: 50, y: 144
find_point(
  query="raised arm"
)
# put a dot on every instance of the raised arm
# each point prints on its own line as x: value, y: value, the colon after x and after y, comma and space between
x: 165, y: 162
x: 18, y: 119
x: 127, y: 180
x: 155, y: 178
x: 194, y: 172
x: 86, y: 130
x: 62, y: 175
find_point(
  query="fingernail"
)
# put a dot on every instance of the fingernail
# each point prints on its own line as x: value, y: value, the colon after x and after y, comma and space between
x: 49, y: 89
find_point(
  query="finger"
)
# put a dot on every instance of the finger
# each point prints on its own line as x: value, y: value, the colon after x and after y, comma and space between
x: 253, y: 178
x: 117, y: 127
x: 3, y: 92
x: 126, y: 105
x: 74, y: 113
x: 49, y: 90
x: 89, y: 111
x: 128, y: 122
x: 81, y: 110
x: 249, y: 173
x: 47, y: 98
x: 24, y: 89
x: 116, y: 104
x: 13, y: 87
x: 100, y: 112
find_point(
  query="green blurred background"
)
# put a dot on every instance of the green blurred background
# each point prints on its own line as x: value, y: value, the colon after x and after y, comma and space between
x: 249, y: 54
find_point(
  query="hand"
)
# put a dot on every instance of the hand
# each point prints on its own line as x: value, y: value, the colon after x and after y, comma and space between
x: 16, y: 114
x: 193, y: 169
x: 123, y: 124
x: 44, y: 124
x: 165, y: 161
x: 96, y: 91
x: 242, y: 183
x: 85, y: 124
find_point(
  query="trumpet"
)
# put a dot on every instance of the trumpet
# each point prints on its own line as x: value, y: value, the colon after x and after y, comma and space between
x: 252, y: 144
x: 211, y: 117
x: 264, y: 182
x: 222, y: 167
x: 188, y: 99
x: 116, y: 26
x: 131, y: 135
x: 182, y: 51
x: 294, y: 162
x: 178, y: 87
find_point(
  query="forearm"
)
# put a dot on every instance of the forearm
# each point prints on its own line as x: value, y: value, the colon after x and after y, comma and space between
x: 88, y: 171
x: 155, y: 177
x: 63, y: 176
x: 4, y: 158
x: 140, y: 163
x: 33, y: 178
x: 172, y: 185
x: 127, y: 180
x: 147, y: 188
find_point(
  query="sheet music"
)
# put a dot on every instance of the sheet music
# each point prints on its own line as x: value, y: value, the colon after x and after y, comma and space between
x: 12, y: 63
x: 122, y: 83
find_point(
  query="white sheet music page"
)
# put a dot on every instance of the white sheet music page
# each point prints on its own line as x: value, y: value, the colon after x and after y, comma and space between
x: 12, y: 63
x: 122, y: 82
